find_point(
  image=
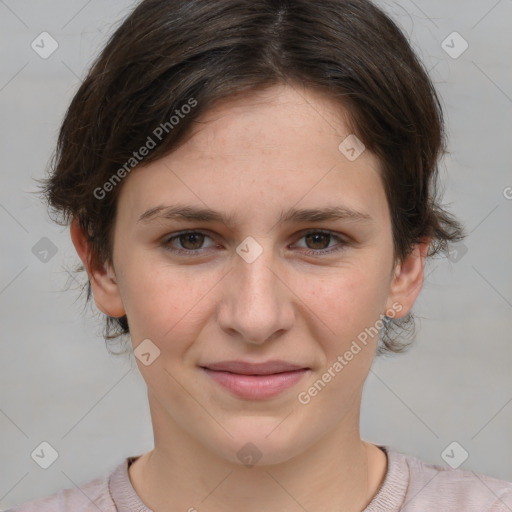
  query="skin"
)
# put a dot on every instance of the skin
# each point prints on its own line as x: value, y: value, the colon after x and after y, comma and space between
x: 252, y: 157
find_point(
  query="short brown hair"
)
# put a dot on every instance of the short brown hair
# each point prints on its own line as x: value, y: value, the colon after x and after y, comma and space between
x: 167, y: 52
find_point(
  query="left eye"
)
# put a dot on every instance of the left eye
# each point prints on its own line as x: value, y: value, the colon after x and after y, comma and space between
x: 320, y: 238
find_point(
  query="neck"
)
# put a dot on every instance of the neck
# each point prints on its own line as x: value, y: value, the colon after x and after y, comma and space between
x: 340, y: 472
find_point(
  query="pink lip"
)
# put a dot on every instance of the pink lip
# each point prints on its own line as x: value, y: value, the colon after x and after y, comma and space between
x: 255, y: 381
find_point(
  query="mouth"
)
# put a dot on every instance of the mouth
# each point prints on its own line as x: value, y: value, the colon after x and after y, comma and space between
x: 247, y: 368
x: 254, y: 381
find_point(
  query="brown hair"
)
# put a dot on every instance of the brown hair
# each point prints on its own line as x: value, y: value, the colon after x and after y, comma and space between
x: 167, y: 53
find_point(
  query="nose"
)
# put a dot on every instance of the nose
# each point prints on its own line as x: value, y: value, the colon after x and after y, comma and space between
x: 257, y: 303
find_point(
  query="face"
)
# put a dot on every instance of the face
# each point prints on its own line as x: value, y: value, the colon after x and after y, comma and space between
x: 263, y: 279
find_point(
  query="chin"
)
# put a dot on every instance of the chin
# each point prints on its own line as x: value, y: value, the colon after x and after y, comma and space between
x: 259, y: 441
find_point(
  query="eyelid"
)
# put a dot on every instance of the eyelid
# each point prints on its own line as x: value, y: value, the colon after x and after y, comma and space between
x: 167, y: 239
x: 343, y: 241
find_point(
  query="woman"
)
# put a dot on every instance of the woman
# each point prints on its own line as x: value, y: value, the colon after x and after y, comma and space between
x: 251, y: 187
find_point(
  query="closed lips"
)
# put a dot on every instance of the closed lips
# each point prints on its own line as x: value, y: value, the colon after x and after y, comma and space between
x: 246, y: 368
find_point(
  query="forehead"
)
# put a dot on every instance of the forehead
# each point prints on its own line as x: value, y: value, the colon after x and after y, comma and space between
x: 262, y: 152
x: 276, y: 117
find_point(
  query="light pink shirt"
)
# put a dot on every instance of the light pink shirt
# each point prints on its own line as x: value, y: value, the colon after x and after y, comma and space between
x: 410, y: 485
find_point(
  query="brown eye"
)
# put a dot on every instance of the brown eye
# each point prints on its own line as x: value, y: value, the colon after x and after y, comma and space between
x: 318, y: 243
x: 191, y: 241
x: 318, y: 240
x: 187, y: 243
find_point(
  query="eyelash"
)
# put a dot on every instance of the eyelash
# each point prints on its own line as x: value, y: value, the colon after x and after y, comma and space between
x: 342, y: 243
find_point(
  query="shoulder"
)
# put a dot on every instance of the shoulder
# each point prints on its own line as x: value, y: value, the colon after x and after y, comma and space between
x: 89, y: 497
x: 439, y: 487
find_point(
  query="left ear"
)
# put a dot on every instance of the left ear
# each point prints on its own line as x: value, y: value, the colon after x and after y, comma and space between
x: 407, y: 280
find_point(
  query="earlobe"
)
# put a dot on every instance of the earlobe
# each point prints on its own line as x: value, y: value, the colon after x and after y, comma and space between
x: 407, y: 279
x: 103, y: 280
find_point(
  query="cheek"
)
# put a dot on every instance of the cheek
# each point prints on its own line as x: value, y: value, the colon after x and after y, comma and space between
x: 170, y: 304
x: 165, y: 303
x: 347, y: 301
x: 346, y: 324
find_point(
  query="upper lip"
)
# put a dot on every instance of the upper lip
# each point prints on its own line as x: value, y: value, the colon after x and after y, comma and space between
x: 246, y: 368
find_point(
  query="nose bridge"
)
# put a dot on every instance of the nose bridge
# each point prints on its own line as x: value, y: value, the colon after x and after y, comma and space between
x: 257, y: 281
x: 256, y: 305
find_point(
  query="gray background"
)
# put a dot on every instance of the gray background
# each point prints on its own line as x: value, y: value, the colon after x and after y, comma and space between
x: 59, y: 384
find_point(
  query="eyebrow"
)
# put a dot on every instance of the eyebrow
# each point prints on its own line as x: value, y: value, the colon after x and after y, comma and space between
x: 195, y: 214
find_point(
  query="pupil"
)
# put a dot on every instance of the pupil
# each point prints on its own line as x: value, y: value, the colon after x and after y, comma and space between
x: 317, y: 236
x: 190, y: 236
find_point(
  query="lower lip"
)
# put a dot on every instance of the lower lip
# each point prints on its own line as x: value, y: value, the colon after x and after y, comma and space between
x: 254, y: 387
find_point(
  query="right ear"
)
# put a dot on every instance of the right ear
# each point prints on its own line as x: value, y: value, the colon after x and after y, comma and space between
x: 103, y: 279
